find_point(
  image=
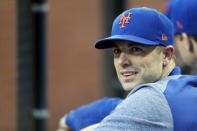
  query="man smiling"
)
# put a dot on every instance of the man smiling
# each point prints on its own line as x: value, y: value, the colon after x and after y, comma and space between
x: 135, y: 64
x: 143, y: 53
x: 142, y: 43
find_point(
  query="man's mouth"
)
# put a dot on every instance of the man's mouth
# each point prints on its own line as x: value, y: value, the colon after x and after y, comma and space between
x: 129, y: 75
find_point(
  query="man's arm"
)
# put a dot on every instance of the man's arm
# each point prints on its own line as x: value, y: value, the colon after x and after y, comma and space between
x: 62, y: 125
x: 89, y: 114
x: 90, y: 128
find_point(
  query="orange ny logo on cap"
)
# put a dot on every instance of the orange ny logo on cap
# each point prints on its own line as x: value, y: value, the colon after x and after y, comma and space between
x: 125, y: 19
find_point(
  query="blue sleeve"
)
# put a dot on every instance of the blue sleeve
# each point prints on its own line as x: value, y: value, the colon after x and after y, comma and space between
x: 92, y: 113
x: 144, y: 110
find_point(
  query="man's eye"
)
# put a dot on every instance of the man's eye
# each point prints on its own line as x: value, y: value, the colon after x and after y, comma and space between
x: 116, y: 52
x: 135, y: 50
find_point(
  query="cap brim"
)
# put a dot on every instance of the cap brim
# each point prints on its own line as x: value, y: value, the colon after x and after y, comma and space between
x: 107, y: 42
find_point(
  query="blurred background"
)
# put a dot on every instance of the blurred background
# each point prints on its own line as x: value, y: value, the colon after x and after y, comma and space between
x: 75, y: 73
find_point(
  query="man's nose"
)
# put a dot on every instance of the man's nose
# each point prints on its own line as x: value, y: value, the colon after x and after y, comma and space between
x: 124, y: 60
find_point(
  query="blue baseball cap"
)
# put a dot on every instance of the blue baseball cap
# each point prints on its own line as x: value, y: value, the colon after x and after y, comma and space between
x: 168, y: 8
x: 145, y: 26
x: 184, y: 16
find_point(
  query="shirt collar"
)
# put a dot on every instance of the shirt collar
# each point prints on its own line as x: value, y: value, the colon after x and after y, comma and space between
x: 175, y: 71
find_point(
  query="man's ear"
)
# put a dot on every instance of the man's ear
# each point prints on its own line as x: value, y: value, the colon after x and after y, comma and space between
x: 183, y: 36
x: 168, y: 54
x: 189, y: 44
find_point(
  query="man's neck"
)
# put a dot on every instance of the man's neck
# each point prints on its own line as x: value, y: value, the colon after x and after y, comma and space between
x: 168, y: 69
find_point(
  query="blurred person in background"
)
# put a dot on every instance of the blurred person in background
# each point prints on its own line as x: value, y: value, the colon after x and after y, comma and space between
x: 183, y: 14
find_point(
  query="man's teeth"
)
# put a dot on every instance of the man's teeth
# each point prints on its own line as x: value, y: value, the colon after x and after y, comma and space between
x: 129, y: 73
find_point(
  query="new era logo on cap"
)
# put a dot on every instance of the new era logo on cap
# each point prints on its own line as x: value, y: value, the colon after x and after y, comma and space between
x: 125, y: 19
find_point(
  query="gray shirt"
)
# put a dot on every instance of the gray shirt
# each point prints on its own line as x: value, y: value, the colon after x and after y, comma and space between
x: 144, y: 109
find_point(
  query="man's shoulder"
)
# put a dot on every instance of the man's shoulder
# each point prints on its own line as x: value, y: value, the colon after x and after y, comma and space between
x: 181, y: 95
x: 143, y: 107
x: 147, y: 96
x: 183, y: 84
x: 158, y: 86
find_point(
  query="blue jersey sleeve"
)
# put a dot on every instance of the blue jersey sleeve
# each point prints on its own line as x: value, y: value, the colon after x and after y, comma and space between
x: 91, y: 113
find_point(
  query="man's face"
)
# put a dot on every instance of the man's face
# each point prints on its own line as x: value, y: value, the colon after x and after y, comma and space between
x: 186, y: 53
x: 137, y: 64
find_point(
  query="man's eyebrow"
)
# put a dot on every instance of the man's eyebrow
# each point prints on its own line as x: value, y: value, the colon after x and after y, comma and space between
x: 137, y: 44
x: 115, y: 46
x: 130, y: 45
